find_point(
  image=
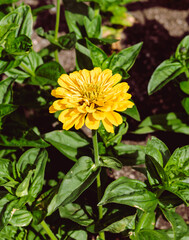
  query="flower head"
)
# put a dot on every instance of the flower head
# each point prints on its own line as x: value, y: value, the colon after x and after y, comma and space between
x: 88, y: 97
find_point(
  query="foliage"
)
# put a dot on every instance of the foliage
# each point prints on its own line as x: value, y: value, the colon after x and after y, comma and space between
x: 48, y: 174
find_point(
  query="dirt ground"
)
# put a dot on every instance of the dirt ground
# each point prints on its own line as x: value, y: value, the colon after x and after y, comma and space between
x: 160, y: 25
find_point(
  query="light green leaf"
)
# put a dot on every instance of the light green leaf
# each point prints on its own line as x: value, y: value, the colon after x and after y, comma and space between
x: 21, y: 218
x: 184, y: 86
x: 110, y: 162
x: 22, y: 189
x: 6, y: 109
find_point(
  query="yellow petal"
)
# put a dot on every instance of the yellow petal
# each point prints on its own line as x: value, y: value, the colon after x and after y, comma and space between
x: 64, y: 115
x: 80, y: 121
x: 98, y: 115
x: 58, y: 92
x: 114, y: 118
x: 58, y: 105
x: 95, y: 74
x: 108, y: 126
x: 105, y: 108
x: 70, y: 120
x: 105, y: 75
x: 91, y: 108
x: 115, y: 78
x: 52, y: 109
x: 91, y: 122
x: 86, y: 75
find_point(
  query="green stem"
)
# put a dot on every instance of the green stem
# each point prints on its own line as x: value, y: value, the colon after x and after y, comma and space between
x: 99, y: 192
x: 48, y: 230
x: 26, y: 69
x: 57, y: 27
x: 141, y: 222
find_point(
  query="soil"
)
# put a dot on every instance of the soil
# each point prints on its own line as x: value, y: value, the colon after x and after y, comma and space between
x: 160, y: 25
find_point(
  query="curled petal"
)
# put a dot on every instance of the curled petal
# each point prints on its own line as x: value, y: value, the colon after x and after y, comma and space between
x: 79, y: 122
x: 114, y: 118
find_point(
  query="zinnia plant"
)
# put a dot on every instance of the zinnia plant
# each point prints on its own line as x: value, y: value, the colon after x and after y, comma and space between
x: 89, y: 97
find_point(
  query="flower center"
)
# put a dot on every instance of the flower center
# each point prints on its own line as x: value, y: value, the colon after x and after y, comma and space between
x: 91, y: 92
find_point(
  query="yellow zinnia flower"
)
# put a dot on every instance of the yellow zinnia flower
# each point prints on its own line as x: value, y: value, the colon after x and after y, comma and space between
x: 88, y: 97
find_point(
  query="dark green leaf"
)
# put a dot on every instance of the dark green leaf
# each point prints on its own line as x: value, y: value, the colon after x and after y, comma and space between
x: 77, y: 180
x: 83, y: 60
x: 42, y: 8
x: 98, y: 56
x: 74, y: 13
x: 77, y: 213
x: 163, y: 122
x: 21, y: 218
x: 48, y: 74
x: 130, y: 154
x: 178, y: 224
x: 5, y: 170
x: 18, y: 46
x: 67, y: 142
x: 163, y: 74
x: 24, y: 139
x: 129, y: 192
x: 5, y: 90
x: 110, y: 162
x: 133, y: 113
x: 125, y: 58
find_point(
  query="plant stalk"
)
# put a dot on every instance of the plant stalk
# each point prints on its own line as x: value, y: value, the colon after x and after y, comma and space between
x: 57, y: 28
x: 99, y: 191
x: 141, y: 221
x: 48, y: 230
x: 26, y: 69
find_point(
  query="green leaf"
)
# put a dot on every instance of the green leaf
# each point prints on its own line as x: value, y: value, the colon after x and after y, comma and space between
x: 130, y: 154
x: 39, y: 172
x: 110, y: 162
x: 74, y: 13
x: 77, y: 213
x: 125, y: 58
x: 163, y: 74
x: 6, y: 90
x: 160, y: 146
x: 154, y: 164
x: 67, y: 142
x: 5, y: 170
x: 5, y: 30
x: 21, y: 218
x: 22, y: 189
x: 129, y: 192
x: 76, y: 181
x: 98, y: 56
x: 178, y: 224
x: 184, y: 86
x: 7, y: 1
x: 48, y: 74
x: 18, y: 46
x: 163, y: 122
x: 23, y: 18
x: 133, y: 113
x: 76, y: 235
x: 18, y: 74
x: 6, y: 109
x: 178, y: 165
x: 93, y: 27
x: 24, y: 139
x: 182, y: 50
x: 83, y: 60
x: 185, y: 104
x: 42, y: 8
x: 148, y: 220
x: 150, y: 235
